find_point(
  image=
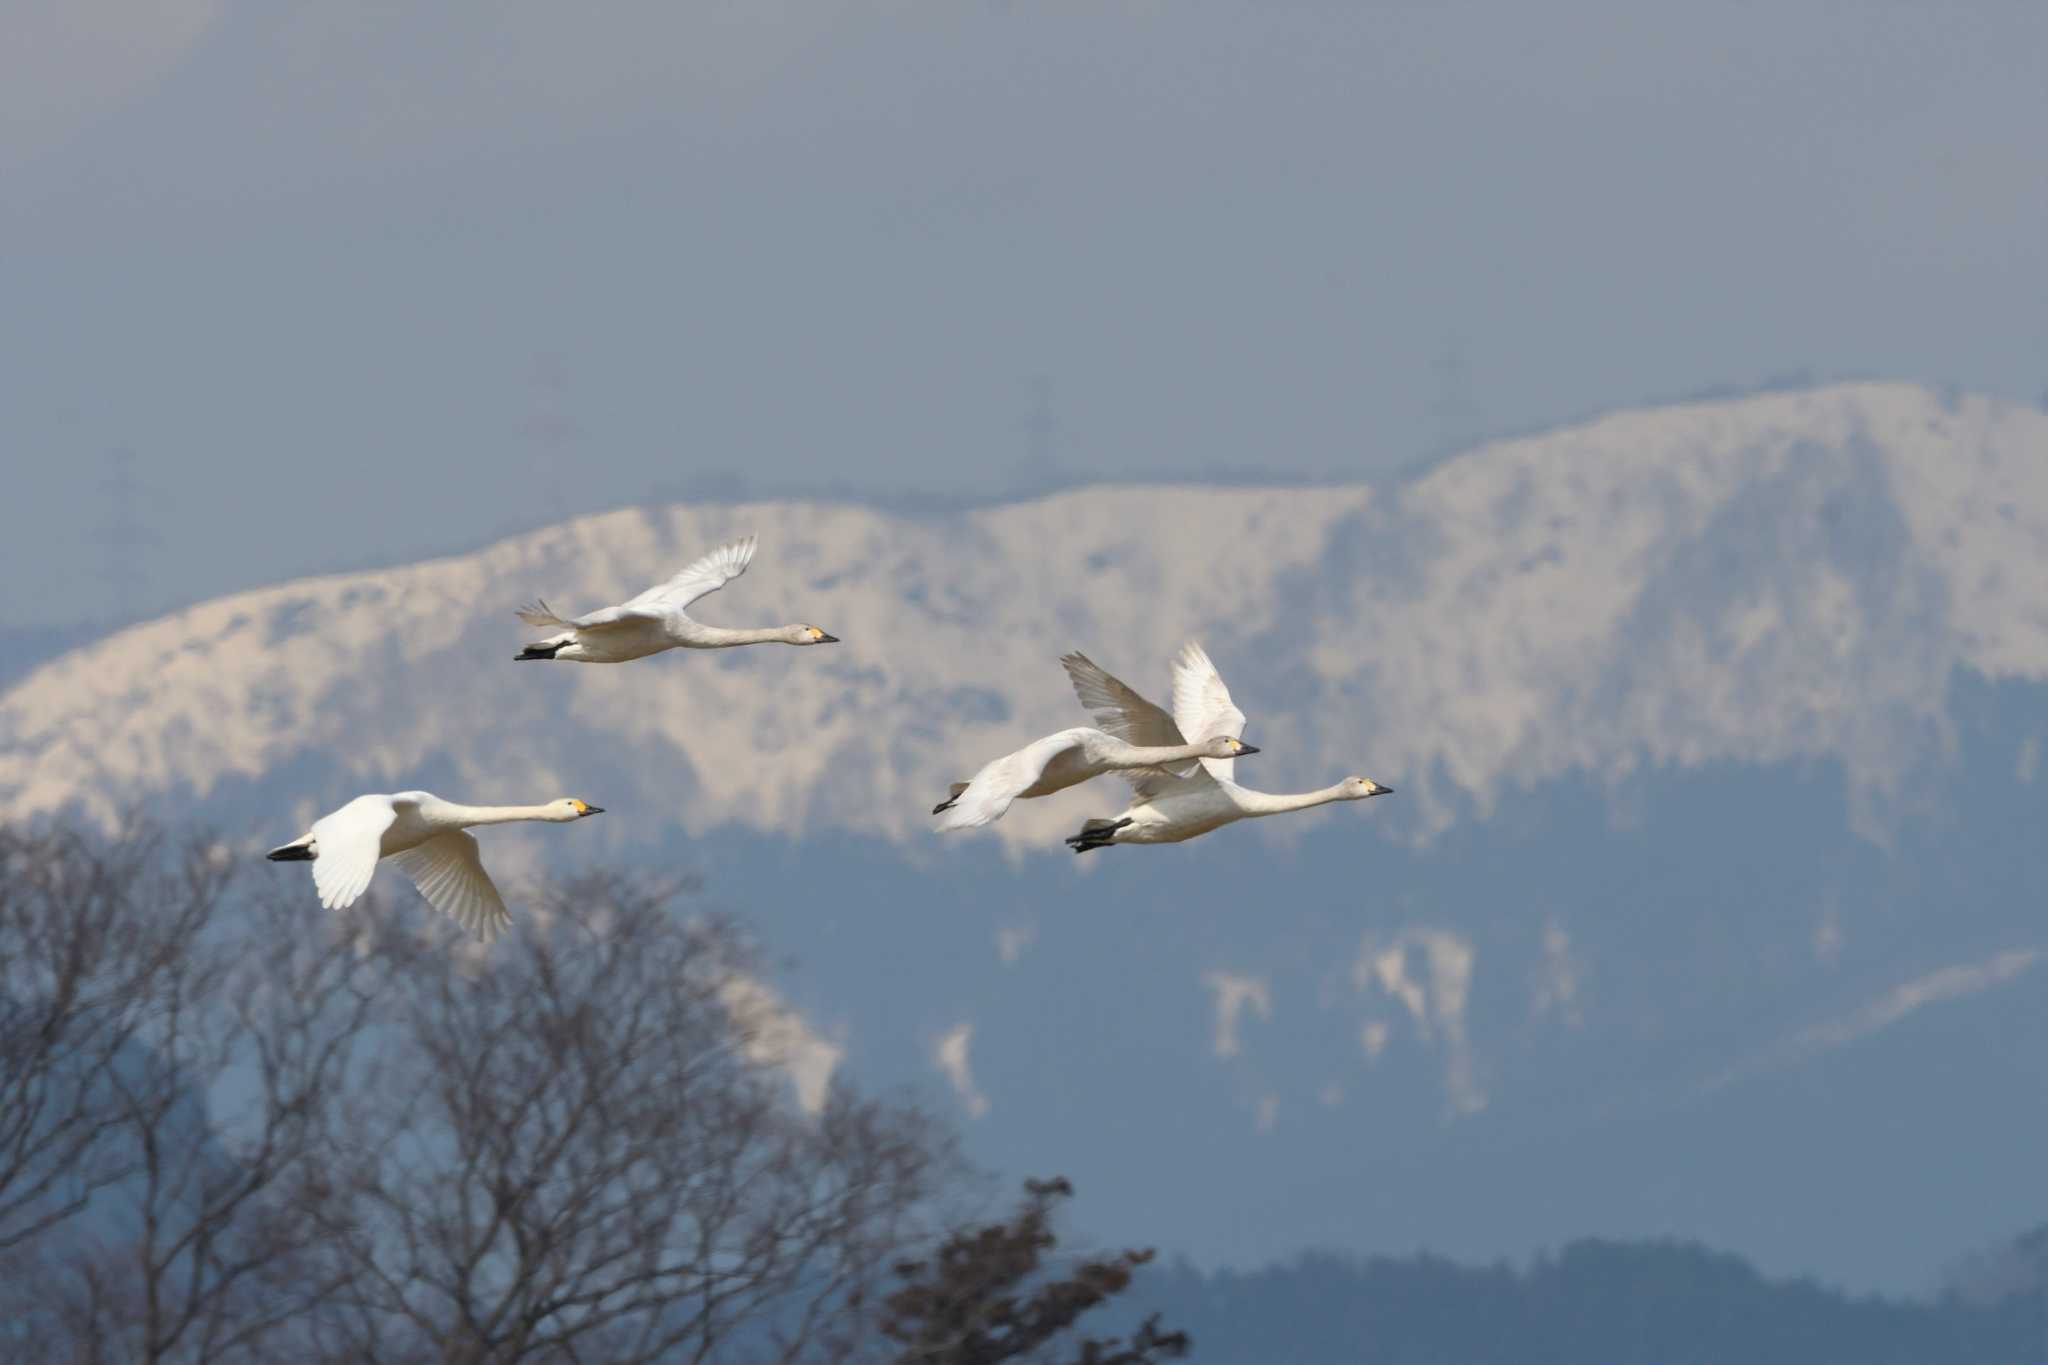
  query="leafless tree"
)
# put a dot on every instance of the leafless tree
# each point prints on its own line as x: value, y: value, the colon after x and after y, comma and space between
x: 234, y: 1126
x: 577, y: 1153
x: 85, y: 938
x: 985, y: 1297
x: 178, y: 1054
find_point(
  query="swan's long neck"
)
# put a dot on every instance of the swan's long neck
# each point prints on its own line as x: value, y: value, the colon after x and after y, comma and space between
x: 454, y: 813
x: 1159, y: 755
x: 1269, y: 803
x: 720, y: 636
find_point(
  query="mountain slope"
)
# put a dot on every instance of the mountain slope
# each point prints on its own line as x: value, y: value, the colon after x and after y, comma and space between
x: 1783, y: 577
x: 1716, y: 729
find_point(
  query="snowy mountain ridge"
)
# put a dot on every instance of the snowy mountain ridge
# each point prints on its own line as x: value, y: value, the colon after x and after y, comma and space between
x: 1792, y: 575
x: 1715, y: 727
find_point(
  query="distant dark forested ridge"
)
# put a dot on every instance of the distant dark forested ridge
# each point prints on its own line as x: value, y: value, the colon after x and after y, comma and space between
x: 1593, y: 1303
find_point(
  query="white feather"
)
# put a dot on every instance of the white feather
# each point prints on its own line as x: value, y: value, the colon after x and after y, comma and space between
x: 1202, y: 707
x: 427, y: 839
x: 448, y: 869
x: 1166, y: 808
x: 656, y: 619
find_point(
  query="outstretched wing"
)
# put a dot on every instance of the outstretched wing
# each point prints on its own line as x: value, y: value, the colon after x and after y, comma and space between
x: 1202, y: 706
x: 1150, y: 784
x: 541, y: 615
x: 449, y: 872
x: 707, y: 575
x: 346, y: 846
x: 1117, y: 709
x: 1001, y: 781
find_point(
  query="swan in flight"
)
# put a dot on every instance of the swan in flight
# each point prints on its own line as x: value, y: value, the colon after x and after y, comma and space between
x: 1167, y: 808
x: 656, y: 619
x: 1134, y: 734
x: 429, y: 841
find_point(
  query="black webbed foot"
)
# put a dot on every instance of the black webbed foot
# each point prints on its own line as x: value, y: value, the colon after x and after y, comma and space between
x: 1096, y: 834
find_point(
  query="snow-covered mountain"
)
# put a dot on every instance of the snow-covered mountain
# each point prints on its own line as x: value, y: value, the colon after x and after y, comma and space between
x: 1790, y: 576
x: 1715, y: 730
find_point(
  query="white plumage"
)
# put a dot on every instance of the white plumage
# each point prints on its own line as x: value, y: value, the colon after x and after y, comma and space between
x: 1136, y: 735
x: 1202, y: 706
x: 428, y: 840
x: 657, y: 619
x: 1167, y: 807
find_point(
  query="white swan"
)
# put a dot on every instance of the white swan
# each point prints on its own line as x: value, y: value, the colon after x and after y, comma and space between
x: 1135, y: 734
x: 426, y: 837
x: 1166, y: 808
x: 656, y: 620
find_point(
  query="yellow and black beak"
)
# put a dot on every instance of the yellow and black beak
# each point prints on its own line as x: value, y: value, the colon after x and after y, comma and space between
x: 583, y: 810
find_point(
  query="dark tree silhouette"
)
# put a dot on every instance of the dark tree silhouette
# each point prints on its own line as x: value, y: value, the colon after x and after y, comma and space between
x: 575, y: 1152
x: 982, y: 1299
x: 173, y: 1075
x: 85, y: 942
x: 237, y: 1127
x: 234, y: 1126
x: 2012, y: 1268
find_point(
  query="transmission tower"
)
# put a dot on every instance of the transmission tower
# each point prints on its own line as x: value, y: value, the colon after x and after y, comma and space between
x: 551, y: 430
x: 1455, y: 412
x: 122, y: 536
x: 1040, y: 428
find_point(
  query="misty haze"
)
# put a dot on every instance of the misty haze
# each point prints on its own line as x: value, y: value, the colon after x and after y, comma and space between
x: 1616, y: 441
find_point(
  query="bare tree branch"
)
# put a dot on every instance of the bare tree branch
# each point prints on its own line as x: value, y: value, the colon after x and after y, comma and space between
x: 236, y: 1127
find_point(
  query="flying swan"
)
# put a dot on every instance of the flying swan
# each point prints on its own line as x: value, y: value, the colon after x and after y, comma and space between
x: 1166, y: 808
x: 656, y: 620
x: 1074, y: 756
x: 429, y: 841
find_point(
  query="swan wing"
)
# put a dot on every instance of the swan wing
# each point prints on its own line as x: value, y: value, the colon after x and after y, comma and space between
x: 1202, y: 706
x: 706, y: 575
x: 1152, y: 784
x: 449, y: 872
x: 347, y: 845
x: 1117, y: 709
x: 596, y: 622
x: 1002, y: 780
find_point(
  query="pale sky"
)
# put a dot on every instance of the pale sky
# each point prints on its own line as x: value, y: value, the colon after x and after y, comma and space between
x: 363, y: 282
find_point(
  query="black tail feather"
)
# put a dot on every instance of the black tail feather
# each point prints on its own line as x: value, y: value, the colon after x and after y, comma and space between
x: 1096, y: 834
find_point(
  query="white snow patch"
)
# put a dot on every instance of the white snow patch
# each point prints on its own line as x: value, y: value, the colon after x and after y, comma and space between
x: 1012, y: 940
x: 1949, y: 983
x: 950, y: 1056
x: 773, y: 1034
x: 1559, y: 976
x: 1374, y: 1035
x: 1828, y: 937
x: 1434, y: 991
x: 1234, y: 994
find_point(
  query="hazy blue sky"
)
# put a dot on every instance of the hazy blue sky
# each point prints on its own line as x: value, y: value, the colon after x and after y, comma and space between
x: 362, y: 281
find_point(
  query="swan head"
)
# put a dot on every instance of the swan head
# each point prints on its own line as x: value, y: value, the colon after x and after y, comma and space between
x: 569, y: 808
x: 811, y: 635
x: 1358, y: 788
x: 1227, y: 746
